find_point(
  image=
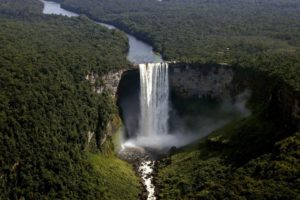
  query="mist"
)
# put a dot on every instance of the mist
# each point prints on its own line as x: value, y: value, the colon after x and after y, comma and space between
x: 184, y: 127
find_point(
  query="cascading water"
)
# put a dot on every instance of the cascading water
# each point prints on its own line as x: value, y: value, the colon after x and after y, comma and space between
x: 154, y: 99
x: 152, y: 137
x: 154, y: 106
x: 153, y: 130
x: 153, y: 121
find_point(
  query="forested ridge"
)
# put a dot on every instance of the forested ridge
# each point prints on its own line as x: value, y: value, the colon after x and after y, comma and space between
x: 47, y: 107
x: 263, y: 35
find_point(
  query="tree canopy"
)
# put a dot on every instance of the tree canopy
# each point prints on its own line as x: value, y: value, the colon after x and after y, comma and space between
x: 47, y: 107
x: 262, y: 34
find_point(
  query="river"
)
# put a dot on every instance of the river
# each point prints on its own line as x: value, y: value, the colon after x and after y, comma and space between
x: 139, y: 52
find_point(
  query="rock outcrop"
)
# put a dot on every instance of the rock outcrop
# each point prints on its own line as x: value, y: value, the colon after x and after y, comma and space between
x: 289, y: 103
x: 105, y: 83
x: 108, y: 82
x: 189, y: 81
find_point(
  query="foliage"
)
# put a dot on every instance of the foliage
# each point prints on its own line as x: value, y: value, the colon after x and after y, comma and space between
x: 262, y: 34
x: 116, y: 177
x: 250, y: 158
x: 47, y: 107
x: 18, y: 7
x: 241, y: 161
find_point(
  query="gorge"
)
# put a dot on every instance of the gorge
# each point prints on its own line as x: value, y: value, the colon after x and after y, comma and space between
x: 160, y: 122
x: 203, y: 98
x: 88, y: 110
x: 152, y: 130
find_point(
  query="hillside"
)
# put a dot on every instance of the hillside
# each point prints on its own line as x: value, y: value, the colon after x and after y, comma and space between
x: 47, y: 107
x: 233, y: 164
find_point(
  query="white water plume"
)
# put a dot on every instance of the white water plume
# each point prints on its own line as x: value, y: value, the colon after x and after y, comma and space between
x: 158, y: 124
x: 154, y: 99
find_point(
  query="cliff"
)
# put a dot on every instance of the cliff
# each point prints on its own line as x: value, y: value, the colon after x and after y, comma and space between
x: 289, y: 103
x: 201, y: 80
x: 100, y: 84
x: 214, y: 81
x: 108, y: 82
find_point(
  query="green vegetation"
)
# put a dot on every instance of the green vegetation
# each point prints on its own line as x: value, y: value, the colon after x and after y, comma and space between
x: 247, y: 159
x: 250, y: 158
x: 116, y: 177
x: 47, y: 107
x: 17, y: 7
x: 257, y: 34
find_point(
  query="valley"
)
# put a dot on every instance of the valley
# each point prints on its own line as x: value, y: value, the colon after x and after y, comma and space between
x: 149, y: 100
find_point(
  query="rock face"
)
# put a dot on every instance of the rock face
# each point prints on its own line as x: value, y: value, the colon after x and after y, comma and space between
x: 289, y: 103
x: 105, y: 83
x: 296, y: 109
x: 111, y: 81
x: 216, y: 81
x: 91, y: 140
x: 108, y: 82
x: 189, y: 81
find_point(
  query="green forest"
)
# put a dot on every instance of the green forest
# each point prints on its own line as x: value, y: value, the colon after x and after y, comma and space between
x: 254, y: 34
x: 252, y: 158
x: 256, y: 157
x: 47, y: 107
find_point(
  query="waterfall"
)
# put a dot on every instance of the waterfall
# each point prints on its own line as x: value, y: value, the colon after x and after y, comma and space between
x: 154, y: 99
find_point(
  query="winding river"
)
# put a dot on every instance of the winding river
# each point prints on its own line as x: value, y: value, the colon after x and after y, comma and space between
x: 139, y: 52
